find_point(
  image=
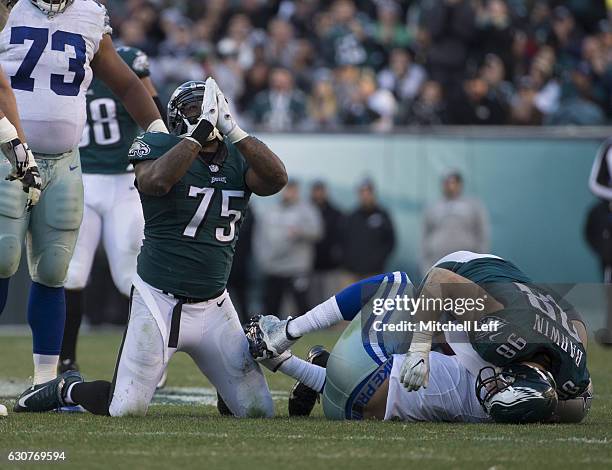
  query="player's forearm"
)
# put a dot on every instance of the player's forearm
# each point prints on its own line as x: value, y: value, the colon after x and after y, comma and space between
x: 268, y: 175
x: 8, y: 105
x: 123, y: 82
x: 156, y: 178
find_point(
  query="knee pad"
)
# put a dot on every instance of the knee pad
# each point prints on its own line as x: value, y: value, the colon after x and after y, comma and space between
x: 10, y: 255
x: 12, y: 208
x: 123, y: 276
x: 51, y: 266
x: 12, y: 198
x: 124, y: 285
x: 251, y: 397
x: 64, y: 205
x: 77, y: 276
x: 140, y: 366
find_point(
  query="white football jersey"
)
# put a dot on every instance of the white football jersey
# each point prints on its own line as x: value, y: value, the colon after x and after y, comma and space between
x: 48, y: 62
x: 449, y: 397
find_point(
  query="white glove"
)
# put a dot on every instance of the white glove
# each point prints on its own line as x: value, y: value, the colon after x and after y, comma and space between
x: 200, y: 131
x: 415, y: 370
x: 226, y: 123
x: 274, y: 363
x: 24, y: 169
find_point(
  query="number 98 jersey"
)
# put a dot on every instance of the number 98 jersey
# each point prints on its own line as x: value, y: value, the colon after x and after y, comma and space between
x: 110, y: 129
x: 48, y: 62
x: 191, y: 232
x: 535, y: 320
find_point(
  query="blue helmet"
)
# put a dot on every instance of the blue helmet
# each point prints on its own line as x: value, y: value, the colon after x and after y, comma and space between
x: 520, y: 393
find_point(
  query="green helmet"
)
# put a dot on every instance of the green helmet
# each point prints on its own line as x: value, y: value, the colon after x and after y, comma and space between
x: 520, y: 393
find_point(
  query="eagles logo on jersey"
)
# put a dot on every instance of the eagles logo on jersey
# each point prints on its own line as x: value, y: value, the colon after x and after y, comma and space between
x: 139, y: 149
x: 141, y: 62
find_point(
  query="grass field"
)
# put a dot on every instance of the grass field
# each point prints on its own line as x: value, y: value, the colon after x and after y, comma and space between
x: 183, y: 429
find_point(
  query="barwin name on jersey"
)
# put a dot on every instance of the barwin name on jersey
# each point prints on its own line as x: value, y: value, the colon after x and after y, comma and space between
x: 548, y: 329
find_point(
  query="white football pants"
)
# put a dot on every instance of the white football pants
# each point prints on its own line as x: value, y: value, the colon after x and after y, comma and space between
x: 209, y: 332
x: 112, y: 213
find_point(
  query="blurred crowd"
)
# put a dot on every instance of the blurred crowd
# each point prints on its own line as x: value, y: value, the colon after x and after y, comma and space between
x: 324, y: 65
x: 302, y: 247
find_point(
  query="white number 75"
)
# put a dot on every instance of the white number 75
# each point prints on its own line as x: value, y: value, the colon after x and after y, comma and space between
x: 192, y: 228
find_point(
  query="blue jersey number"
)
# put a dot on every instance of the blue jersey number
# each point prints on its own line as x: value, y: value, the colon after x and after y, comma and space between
x: 22, y: 80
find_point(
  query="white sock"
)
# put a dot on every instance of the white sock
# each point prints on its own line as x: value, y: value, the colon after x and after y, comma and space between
x: 322, y: 316
x: 45, y: 368
x: 311, y: 375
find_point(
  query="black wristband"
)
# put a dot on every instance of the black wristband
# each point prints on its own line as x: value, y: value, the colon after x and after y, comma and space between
x: 202, y: 131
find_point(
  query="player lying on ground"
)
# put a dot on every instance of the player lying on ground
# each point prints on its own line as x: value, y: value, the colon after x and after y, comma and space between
x: 194, y: 187
x: 366, y: 376
x: 50, y: 50
x: 112, y: 213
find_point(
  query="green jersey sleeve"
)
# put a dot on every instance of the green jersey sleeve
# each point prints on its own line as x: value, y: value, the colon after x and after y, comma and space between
x: 151, y: 146
x: 136, y: 59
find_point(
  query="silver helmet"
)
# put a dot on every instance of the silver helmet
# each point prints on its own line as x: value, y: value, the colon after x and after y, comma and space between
x: 52, y: 7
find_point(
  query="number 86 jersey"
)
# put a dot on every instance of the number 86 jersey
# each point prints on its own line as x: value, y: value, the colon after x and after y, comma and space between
x: 48, y: 62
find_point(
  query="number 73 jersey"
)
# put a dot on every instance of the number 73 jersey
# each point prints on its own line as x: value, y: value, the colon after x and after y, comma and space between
x: 191, y: 232
x: 48, y: 62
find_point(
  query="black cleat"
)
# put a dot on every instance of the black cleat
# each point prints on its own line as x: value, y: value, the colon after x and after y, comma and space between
x: 222, y: 407
x: 66, y: 365
x: 47, y: 396
x: 302, y: 399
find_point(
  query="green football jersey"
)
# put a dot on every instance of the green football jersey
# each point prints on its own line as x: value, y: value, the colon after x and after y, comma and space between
x: 110, y: 130
x: 486, y: 270
x: 191, y: 232
x: 535, y: 320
